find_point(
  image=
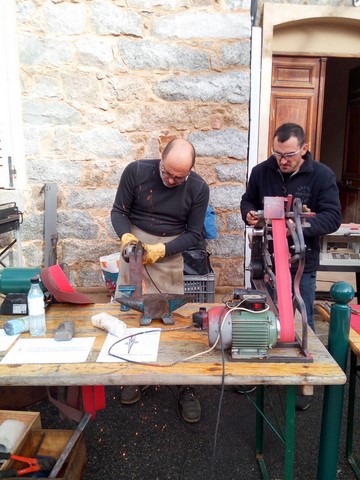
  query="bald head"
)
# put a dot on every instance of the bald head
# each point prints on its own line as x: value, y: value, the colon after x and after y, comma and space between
x: 179, y: 154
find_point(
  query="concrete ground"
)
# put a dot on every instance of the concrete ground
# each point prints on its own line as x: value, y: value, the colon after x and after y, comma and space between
x: 149, y: 440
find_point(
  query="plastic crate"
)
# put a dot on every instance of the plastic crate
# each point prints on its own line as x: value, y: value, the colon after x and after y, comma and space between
x: 200, y: 287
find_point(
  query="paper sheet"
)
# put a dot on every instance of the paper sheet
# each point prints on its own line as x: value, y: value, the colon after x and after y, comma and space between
x: 6, y: 340
x: 138, y: 348
x: 48, y: 350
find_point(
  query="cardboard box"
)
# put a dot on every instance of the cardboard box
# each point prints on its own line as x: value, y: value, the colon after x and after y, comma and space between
x: 53, y: 444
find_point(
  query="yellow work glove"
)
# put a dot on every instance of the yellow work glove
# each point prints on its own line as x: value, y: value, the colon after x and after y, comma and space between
x: 126, y: 240
x: 153, y: 253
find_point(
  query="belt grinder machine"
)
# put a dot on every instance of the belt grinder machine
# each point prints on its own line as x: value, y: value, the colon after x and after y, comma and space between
x: 252, y: 325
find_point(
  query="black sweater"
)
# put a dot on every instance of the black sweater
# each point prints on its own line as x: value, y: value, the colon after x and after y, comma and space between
x: 144, y: 201
x: 314, y: 184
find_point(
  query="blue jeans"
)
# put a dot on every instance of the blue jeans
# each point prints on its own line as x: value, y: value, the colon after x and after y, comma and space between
x: 307, y: 291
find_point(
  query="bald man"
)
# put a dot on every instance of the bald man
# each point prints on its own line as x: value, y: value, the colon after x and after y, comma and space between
x: 162, y: 203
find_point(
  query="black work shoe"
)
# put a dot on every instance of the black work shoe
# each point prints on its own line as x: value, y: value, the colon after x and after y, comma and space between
x: 189, y: 405
x: 130, y: 394
x: 302, y: 402
x: 243, y: 389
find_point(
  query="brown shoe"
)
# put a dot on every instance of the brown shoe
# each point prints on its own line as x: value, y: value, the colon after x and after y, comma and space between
x: 130, y: 394
x: 302, y: 402
x: 189, y: 405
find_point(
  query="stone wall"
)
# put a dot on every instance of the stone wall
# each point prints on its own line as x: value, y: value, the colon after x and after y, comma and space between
x: 108, y: 82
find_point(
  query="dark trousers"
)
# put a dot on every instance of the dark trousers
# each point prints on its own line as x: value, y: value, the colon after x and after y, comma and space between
x: 307, y: 291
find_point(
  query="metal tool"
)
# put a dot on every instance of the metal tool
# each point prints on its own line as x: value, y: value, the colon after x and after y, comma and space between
x: 73, y: 439
x: 252, y: 323
x: 35, y: 464
x: 134, y: 254
x: 155, y: 305
x: 278, y: 217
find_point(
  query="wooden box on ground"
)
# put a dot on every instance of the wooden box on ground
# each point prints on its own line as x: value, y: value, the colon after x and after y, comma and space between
x: 53, y: 444
x: 30, y: 419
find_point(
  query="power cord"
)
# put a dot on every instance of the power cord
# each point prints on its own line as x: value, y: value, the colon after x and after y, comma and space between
x: 219, y: 337
x: 219, y: 407
x: 151, y: 279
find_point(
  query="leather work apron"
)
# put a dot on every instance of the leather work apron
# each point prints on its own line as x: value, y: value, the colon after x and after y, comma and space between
x: 164, y: 276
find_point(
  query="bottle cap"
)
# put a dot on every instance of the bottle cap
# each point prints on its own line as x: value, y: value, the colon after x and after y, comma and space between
x: 202, y: 309
x: 35, y: 279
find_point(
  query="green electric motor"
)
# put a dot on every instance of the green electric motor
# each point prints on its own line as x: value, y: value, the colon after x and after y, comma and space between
x: 246, y: 333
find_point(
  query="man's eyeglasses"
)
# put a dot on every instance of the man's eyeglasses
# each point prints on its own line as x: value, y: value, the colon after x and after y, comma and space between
x: 279, y: 155
x: 174, y: 178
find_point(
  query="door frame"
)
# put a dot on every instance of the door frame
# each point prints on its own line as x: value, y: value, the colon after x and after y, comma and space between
x: 288, y: 22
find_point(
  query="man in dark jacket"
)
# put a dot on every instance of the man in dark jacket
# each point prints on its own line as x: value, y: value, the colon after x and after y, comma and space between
x: 291, y: 170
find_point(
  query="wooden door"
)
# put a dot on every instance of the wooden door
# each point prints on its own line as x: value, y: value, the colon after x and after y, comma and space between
x: 297, y: 96
x: 350, y: 181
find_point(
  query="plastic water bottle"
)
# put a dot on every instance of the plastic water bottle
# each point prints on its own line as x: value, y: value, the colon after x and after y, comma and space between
x: 36, y: 308
x: 16, y: 326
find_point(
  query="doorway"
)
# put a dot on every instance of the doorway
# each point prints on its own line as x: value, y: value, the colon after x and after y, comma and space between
x: 332, y: 35
x: 334, y: 112
x: 313, y: 31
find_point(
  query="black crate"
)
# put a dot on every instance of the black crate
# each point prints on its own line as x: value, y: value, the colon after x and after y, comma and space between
x: 200, y: 287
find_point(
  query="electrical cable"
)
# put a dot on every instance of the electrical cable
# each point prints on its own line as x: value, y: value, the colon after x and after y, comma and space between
x: 220, y: 401
x: 171, y: 364
x: 237, y: 307
x: 151, y: 279
x: 219, y: 337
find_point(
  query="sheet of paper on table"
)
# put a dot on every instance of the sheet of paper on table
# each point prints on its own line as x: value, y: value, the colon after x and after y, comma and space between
x: 48, y: 350
x: 138, y: 348
x: 6, y: 340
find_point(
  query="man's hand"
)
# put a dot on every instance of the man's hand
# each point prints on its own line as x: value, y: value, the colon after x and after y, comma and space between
x: 153, y: 253
x: 251, y: 217
x: 126, y: 240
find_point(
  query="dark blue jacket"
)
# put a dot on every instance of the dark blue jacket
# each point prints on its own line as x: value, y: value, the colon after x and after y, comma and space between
x: 314, y: 184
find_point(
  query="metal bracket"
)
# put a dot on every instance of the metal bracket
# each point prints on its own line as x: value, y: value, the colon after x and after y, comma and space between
x: 50, y: 228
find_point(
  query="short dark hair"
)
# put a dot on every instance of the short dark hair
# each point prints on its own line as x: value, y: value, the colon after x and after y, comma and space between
x: 287, y: 130
x: 171, y: 145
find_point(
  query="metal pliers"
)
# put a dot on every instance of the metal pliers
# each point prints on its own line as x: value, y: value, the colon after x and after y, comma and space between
x: 35, y: 464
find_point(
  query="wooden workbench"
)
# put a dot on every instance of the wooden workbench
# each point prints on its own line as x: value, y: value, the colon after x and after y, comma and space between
x: 175, y: 345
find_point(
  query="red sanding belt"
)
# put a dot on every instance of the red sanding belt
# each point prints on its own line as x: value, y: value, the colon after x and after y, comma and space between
x: 58, y: 285
x: 283, y: 281
x: 60, y: 279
